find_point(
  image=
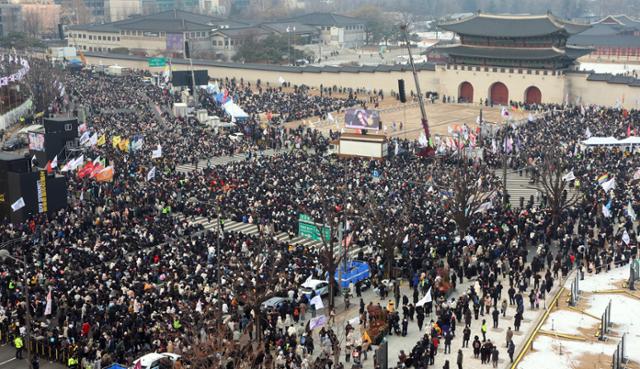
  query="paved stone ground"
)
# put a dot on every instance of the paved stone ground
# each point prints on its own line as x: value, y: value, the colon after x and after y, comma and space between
x: 398, y: 343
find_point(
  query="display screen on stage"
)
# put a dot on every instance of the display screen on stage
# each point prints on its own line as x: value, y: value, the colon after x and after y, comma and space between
x: 36, y: 141
x: 362, y: 119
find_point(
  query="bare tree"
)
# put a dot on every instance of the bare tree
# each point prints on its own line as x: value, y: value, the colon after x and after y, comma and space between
x: 44, y: 83
x: 554, y: 187
x: 32, y: 23
x: 212, y: 345
x: 388, y: 219
x: 468, y: 187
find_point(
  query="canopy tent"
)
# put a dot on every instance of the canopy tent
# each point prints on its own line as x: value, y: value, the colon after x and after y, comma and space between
x: 601, y: 141
x: 631, y: 140
x: 355, y: 272
x: 234, y: 110
x: 611, y: 141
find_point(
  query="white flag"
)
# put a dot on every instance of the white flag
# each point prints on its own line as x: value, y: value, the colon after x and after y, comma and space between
x: 587, y: 133
x: 47, y: 309
x: 54, y: 162
x: 18, y: 204
x: 425, y: 299
x: 77, y: 162
x: 155, y: 154
x: 94, y: 139
x: 569, y: 177
x: 85, y: 137
x: 606, y: 212
x: 152, y: 174
x: 625, y: 237
x: 66, y: 167
x: 406, y: 238
x: 609, y: 185
x: 317, y: 302
x: 484, y: 207
x: 630, y: 212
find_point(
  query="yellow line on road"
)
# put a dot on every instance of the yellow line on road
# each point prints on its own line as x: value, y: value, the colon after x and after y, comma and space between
x: 527, y: 344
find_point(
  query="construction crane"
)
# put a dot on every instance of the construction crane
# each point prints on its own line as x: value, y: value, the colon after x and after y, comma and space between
x: 426, y: 151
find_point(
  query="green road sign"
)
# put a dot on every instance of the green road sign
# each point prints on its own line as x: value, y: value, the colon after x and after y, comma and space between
x: 157, y: 62
x: 308, y: 229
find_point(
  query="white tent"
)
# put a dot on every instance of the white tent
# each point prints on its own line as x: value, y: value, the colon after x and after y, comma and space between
x: 234, y: 110
x: 601, y: 141
x: 631, y: 140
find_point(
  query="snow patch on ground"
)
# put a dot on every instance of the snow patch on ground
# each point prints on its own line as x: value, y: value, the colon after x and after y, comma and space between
x: 547, y: 353
x: 624, y: 316
x: 565, y: 321
x: 602, y: 281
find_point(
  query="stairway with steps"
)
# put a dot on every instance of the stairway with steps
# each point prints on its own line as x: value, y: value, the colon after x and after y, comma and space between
x: 252, y: 229
x: 519, y: 186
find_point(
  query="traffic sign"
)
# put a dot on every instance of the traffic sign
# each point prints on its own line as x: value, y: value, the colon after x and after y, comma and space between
x: 157, y: 62
x: 309, y: 229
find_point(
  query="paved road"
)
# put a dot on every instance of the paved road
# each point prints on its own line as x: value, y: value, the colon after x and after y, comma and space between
x: 222, y: 160
x: 252, y: 229
x: 8, y: 360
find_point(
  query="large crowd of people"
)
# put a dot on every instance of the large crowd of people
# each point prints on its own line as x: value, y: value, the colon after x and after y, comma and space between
x: 123, y: 271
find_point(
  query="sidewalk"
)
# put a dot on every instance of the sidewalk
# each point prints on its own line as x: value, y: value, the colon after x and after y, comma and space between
x: 397, y: 343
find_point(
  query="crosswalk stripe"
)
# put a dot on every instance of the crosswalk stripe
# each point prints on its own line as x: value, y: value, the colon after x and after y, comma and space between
x: 252, y: 229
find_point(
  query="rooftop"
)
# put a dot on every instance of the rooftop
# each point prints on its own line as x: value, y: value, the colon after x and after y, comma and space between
x: 512, y: 53
x: 492, y: 25
x: 168, y: 21
x: 605, y: 40
x: 325, y: 19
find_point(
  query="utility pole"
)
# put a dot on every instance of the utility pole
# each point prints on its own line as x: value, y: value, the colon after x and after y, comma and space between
x: 505, y: 196
x: 427, y: 151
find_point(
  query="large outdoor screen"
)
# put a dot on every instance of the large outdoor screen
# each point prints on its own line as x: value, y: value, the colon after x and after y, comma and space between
x: 36, y: 141
x: 362, y: 119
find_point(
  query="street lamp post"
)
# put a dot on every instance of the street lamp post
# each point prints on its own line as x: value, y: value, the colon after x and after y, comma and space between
x: 4, y: 254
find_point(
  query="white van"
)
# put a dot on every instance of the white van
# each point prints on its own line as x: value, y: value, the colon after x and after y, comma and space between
x: 314, y: 287
x: 153, y: 360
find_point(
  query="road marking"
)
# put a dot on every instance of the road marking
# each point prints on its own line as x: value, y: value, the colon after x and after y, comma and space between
x: 7, y: 361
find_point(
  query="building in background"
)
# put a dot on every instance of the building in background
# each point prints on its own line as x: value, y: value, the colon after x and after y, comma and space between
x: 615, y: 39
x: 335, y: 30
x: 10, y: 19
x: 116, y: 10
x: 212, y: 7
x: 156, y: 6
x: 499, y: 56
x: 41, y: 19
x: 163, y: 33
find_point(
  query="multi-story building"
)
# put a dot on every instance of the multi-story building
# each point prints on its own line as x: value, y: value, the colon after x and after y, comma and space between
x: 116, y: 10
x: 155, y: 6
x: 164, y: 33
x: 10, y: 19
x: 529, y: 45
x: 157, y: 34
x: 614, y: 39
x: 335, y: 30
x: 41, y: 18
x: 211, y: 7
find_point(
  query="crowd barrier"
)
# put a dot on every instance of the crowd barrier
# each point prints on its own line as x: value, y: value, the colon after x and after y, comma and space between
x: 39, y: 346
